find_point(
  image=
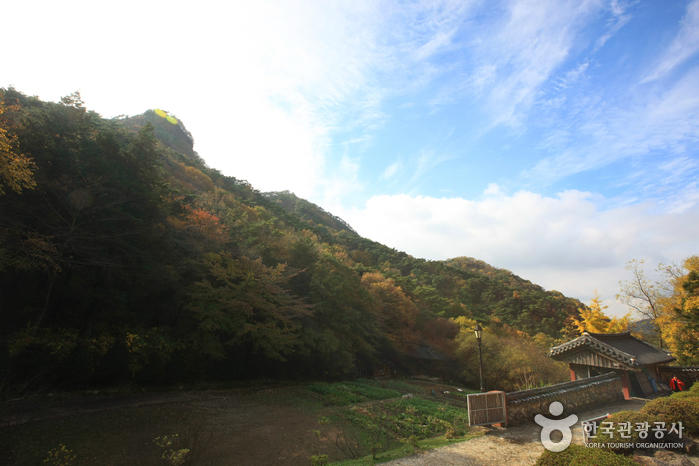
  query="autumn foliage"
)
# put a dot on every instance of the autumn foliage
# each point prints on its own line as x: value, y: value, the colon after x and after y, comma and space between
x: 120, y: 244
x: 593, y: 319
x: 16, y: 170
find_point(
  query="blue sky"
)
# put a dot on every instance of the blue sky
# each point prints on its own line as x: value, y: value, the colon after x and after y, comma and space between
x: 557, y: 139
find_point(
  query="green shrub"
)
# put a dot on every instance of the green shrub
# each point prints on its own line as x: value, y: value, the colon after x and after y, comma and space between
x: 669, y: 410
x: 76, y: 370
x: 4, y: 358
x: 683, y: 395
x: 577, y: 455
x: 113, y: 368
x: 154, y: 370
x: 35, y: 366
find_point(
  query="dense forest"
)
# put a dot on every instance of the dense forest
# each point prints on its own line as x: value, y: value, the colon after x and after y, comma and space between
x: 123, y: 256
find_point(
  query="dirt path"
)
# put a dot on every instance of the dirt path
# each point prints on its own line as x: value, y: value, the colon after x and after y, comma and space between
x: 513, y: 446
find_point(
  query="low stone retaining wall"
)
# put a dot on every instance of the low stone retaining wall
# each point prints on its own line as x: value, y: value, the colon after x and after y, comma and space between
x: 575, y: 396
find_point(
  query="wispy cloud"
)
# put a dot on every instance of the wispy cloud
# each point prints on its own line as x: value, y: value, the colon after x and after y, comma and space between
x: 392, y: 170
x: 571, y: 77
x: 426, y: 160
x: 599, y: 135
x: 685, y: 44
x: 334, y: 65
x: 301, y: 70
x: 531, y: 41
x: 618, y: 20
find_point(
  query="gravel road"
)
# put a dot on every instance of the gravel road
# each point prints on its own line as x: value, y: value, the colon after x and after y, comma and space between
x: 514, y: 446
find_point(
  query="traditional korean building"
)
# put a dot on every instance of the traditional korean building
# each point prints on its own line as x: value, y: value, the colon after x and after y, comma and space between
x: 636, y: 361
x: 427, y: 360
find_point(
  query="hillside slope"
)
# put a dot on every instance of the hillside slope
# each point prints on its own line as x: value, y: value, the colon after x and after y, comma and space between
x: 130, y: 252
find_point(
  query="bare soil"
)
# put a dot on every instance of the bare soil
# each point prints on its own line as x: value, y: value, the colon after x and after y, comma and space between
x: 270, y: 425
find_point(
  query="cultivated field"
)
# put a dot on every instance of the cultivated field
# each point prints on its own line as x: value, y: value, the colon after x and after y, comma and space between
x: 258, y: 424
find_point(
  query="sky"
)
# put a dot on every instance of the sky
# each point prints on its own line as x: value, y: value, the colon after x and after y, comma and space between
x: 556, y: 139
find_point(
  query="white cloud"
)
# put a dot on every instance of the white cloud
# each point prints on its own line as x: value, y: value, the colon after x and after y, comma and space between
x: 493, y: 189
x: 392, y: 170
x: 685, y: 45
x: 565, y: 242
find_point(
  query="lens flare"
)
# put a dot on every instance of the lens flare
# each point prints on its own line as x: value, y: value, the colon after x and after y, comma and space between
x: 163, y: 113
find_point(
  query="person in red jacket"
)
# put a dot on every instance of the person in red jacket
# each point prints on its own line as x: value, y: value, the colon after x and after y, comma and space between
x: 676, y: 384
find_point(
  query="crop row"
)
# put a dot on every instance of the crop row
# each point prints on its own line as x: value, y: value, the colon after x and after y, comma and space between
x: 410, y: 418
x: 346, y: 393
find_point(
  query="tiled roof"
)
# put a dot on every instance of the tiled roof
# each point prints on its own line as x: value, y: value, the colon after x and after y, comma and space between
x: 525, y: 396
x: 623, y: 347
x: 428, y: 352
x: 688, y: 369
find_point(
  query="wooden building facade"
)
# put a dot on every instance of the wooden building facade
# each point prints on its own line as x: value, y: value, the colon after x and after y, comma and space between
x: 636, y: 361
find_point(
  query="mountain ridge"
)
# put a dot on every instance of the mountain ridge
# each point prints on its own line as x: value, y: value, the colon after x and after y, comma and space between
x: 188, y: 267
x: 517, y: 310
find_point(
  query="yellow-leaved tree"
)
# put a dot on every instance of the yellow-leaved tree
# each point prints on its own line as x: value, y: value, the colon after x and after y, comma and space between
x: 595, y: 320
x: 397, y: 312
x: 667, y: 306
x: 15, y: 168
x: 676, y: 303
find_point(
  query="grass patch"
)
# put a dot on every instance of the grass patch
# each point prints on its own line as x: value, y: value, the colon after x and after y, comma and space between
x: 346, y: 393
x: 400, y: 386
x: 405, y: 450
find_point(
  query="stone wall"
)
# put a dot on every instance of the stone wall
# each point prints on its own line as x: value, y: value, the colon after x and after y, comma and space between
x: 687, y: 374
x: 575, y: 396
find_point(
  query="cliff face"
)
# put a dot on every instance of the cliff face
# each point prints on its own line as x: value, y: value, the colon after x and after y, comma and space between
x: 175, y: 136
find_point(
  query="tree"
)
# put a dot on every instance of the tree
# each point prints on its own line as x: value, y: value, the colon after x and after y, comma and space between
x: 16, y: 170
x: 97, y: 195
x: 199, y: 227
x: 243, y: 302
x: 397, y: 312
x: 345, y: 325
x: 511, y: 359
x: 593, y: 319
x: 681, y: 310
x: 688, y: 345
x: 643, y: 295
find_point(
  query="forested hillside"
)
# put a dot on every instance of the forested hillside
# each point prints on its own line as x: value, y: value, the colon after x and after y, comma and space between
x: 124, y: 256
